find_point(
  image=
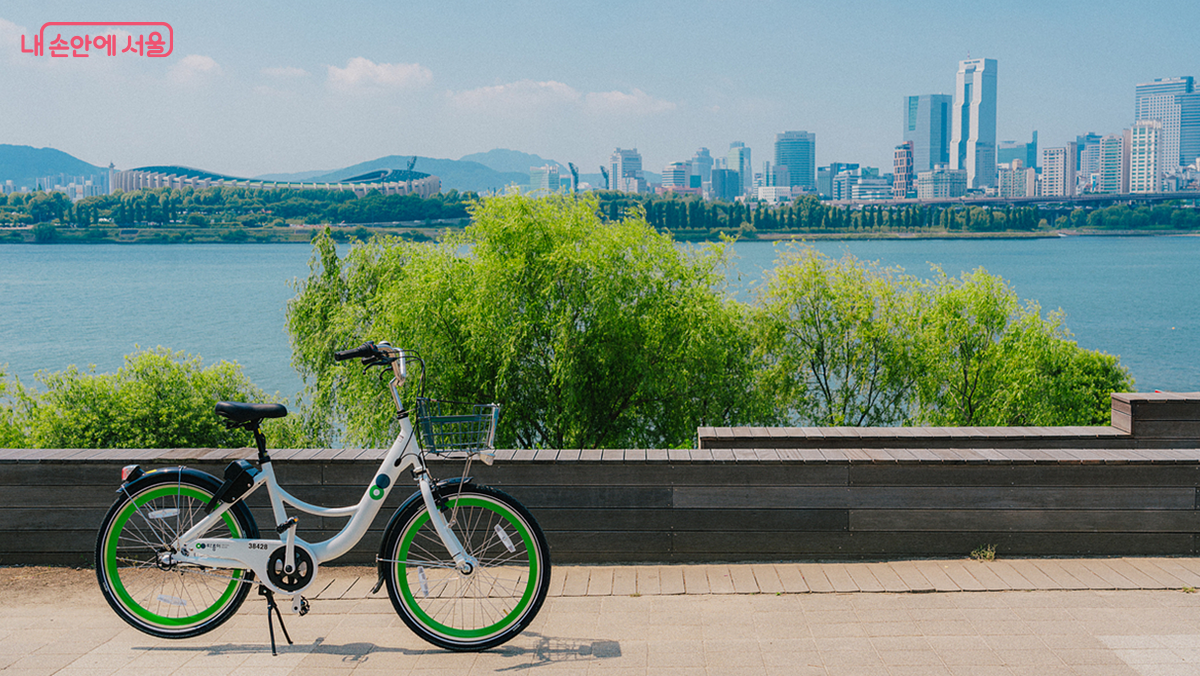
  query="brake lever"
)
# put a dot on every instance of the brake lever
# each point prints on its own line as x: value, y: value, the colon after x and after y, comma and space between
x: 368, y: 362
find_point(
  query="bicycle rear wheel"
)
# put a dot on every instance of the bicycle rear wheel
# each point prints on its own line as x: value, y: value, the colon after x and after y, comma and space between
x: 150, y: 593
x: 483, y: 608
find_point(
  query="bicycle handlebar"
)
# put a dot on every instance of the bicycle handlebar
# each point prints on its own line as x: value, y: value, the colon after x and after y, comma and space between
x: 381, y: 354
x: 366, y: 351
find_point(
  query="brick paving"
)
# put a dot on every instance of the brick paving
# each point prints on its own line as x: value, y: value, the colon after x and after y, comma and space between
x: 950, y: 575
x: 1100, y: 617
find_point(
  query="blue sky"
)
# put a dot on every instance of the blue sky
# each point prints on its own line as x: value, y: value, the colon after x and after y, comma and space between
x: 264, y: 87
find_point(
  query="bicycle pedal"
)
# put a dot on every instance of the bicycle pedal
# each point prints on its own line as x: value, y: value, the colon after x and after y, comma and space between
x: 300, y: 605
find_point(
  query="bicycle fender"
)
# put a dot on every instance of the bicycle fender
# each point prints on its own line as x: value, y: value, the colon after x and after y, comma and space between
x: 210, y: 482
x: 392, y: 525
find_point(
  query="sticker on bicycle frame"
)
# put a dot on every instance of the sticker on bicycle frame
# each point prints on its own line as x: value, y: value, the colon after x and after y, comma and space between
x: 381, y: 482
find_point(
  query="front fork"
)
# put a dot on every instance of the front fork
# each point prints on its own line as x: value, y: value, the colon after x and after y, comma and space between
x: 464, y: 562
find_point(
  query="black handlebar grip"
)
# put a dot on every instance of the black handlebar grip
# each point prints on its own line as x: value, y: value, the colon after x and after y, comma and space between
x: 367, y: 349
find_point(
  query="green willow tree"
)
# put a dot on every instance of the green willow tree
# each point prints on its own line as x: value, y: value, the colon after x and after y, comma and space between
x: 848, y: 343
x: 839, y: 340
x: 991, y: 361
x: 590, y: 334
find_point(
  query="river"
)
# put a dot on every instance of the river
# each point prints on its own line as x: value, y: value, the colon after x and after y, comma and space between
x: 1135, y: 297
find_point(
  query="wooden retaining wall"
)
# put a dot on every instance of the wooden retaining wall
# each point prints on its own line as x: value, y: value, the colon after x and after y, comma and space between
x: 836, y: 494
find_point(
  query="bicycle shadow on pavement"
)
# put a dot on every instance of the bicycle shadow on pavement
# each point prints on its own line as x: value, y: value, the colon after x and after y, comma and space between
x: 548, y: 650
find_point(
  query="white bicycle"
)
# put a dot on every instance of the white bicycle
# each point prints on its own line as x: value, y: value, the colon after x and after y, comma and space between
x: 466, y: 566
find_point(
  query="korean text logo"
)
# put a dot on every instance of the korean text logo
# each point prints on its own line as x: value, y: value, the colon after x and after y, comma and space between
x: 82, y: 39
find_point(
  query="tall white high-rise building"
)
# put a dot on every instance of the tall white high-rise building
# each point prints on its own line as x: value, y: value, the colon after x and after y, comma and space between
x: 627, y: 171
x: 1145, y: 156
x: 1058, y: 171
x: 677, y: 175
x: 1176, y: 104
x: 1014, y: 179
x: 941, y: 182
x: 973, y: 122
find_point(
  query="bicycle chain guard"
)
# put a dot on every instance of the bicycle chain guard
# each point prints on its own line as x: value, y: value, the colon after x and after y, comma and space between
x: 295, y: 580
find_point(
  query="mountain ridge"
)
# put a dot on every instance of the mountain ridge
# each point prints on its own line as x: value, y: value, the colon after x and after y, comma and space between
x: 491, y: 171
x: 506, y: 160
x: 24, y: 165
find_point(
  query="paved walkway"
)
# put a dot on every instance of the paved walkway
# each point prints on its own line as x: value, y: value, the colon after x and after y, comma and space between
x: 53, y: 621
x: 949, y: 575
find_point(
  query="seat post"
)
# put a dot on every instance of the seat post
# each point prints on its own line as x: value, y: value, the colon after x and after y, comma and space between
x: 261, y: 442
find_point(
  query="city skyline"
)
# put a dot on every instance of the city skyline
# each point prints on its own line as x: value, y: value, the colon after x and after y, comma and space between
x: 291, y: 87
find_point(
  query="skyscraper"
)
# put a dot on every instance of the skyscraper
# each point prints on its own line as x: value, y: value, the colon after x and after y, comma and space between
x: 973, y: 122
x: 927, y: 127
x: 904, y: 180
x: 544, y: 178
x: 1113, y: 178
x: 627, y: 171
x: 1012, y: 179
x: 702, y: 165
x: 726, y: 185
x: 1087, y: 146
x: 797, y: 151
x: 1176, y: 104
x: 677, y: 175
x: 1145, y: 156
x: 1058, y: 171
x: 941, y: 182
x: 738, y: 160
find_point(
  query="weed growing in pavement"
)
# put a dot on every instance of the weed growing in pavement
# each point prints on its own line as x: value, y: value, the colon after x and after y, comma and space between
x: 984, y: 553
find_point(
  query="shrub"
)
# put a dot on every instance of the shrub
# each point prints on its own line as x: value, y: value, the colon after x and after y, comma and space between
x: 157, y: 399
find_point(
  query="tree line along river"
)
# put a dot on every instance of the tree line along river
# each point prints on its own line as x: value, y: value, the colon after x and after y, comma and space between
x: 1135, y: 297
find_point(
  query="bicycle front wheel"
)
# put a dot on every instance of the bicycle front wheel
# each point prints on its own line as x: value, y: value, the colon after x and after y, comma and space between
x: 486, y: 606
x: 133, y: 565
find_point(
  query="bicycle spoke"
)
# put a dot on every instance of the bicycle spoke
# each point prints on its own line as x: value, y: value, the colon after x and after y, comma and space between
x: 492, y: 601
x: 136, y: 570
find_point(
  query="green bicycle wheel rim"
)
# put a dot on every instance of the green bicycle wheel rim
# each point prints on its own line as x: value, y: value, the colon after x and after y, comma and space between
x: 518, y: 610
x: 118, y: 587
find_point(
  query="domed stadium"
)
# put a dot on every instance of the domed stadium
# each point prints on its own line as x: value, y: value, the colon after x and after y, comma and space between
x: 386, y: 181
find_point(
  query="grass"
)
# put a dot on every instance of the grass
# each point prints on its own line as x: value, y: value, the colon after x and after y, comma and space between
x: 984, y: 553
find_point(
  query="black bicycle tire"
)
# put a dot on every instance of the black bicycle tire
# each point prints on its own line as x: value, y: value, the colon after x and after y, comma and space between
x: 197, y: 488
x: 409, y: 519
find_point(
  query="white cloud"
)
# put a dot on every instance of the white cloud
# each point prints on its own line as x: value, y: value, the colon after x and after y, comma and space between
x: 636, y: 103
x: 526, y: 97
x: 520, y: 96
x: 364, y: 73
x: 194, y: 68
x: 10, y: 39
x: 285, y: 72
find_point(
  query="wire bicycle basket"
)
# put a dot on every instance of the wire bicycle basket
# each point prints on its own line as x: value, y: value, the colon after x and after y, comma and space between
x: 457, y: 429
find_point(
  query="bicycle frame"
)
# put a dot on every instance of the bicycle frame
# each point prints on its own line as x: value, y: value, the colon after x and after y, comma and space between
x: 242, y: 553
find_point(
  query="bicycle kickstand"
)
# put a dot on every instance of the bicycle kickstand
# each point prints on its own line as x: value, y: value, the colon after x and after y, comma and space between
x: 264, y: 591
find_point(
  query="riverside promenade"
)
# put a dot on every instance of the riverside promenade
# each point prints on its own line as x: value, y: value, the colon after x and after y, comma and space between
x: 1044, y: 617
